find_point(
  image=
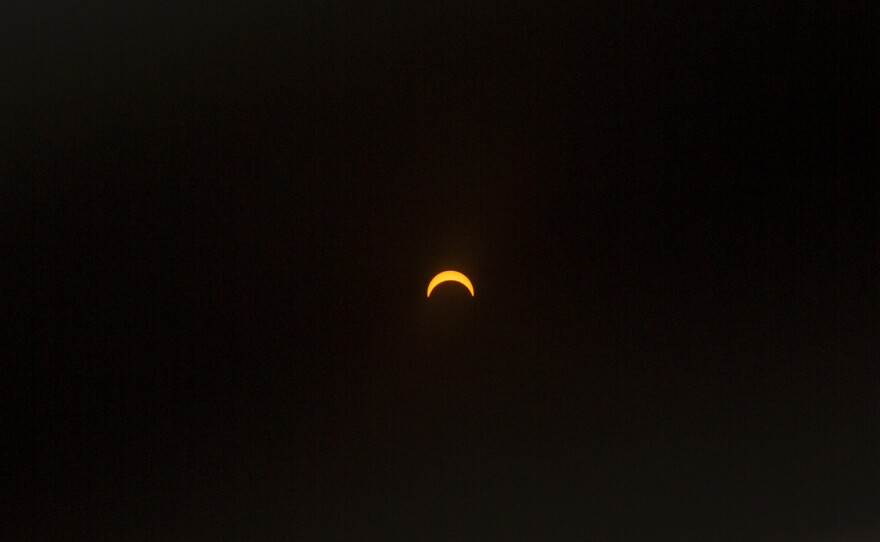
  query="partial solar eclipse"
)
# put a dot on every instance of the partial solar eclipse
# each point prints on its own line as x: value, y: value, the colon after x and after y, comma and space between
x: 453, y: 276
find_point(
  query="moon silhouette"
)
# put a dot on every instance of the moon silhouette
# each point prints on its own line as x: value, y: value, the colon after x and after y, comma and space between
x: 453, y: 276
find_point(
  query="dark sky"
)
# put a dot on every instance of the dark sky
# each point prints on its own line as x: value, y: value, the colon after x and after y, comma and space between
x: 219, y: 221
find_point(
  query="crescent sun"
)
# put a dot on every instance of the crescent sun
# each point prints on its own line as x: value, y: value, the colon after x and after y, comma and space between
x: 454, y: 276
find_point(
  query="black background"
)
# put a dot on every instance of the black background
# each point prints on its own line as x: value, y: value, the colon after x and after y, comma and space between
x: 219, y: 221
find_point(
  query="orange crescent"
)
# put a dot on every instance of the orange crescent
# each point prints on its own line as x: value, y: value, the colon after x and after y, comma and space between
x: 454, y: 276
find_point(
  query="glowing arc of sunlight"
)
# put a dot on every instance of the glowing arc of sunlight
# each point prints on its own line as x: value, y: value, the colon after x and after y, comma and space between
x: 453, y: 276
